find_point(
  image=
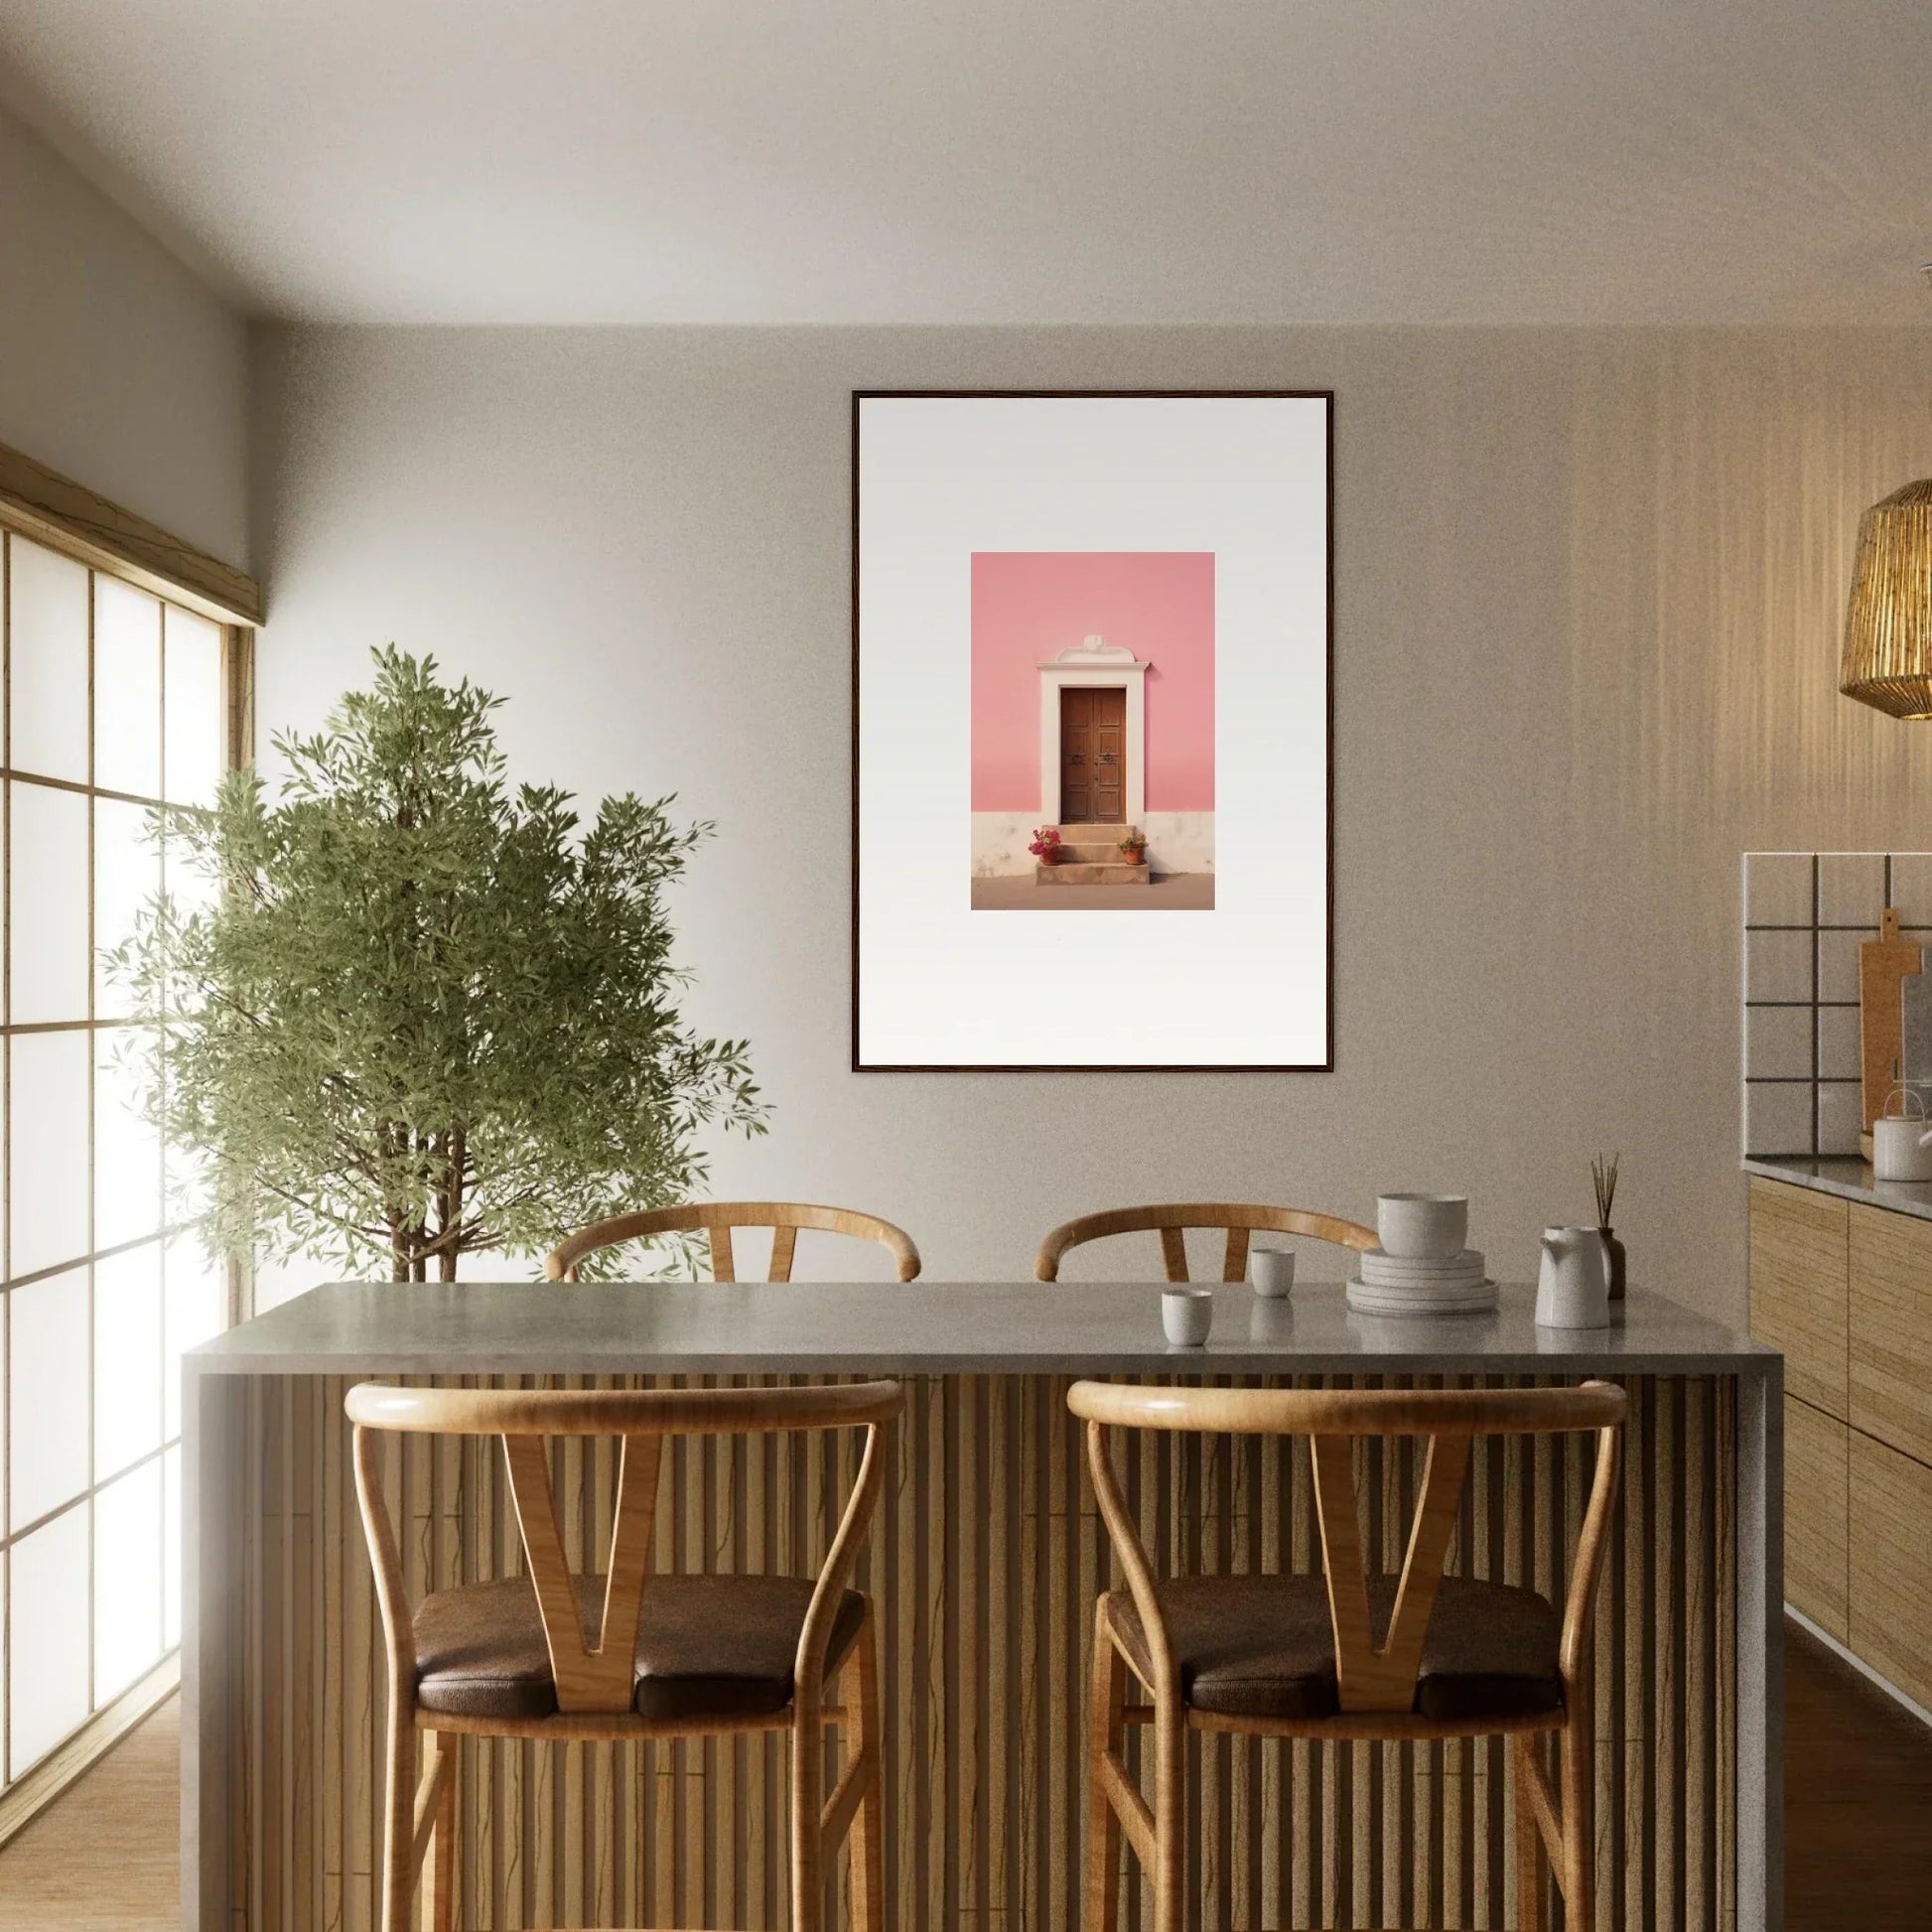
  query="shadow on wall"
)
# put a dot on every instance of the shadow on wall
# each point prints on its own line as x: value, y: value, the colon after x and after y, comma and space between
x: 1713, y: 497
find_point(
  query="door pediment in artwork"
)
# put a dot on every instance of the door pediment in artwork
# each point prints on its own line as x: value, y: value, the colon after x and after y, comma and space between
x: 1095, y: 654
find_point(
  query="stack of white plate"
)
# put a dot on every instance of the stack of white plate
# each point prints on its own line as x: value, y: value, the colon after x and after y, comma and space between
x: 1414, y: 1285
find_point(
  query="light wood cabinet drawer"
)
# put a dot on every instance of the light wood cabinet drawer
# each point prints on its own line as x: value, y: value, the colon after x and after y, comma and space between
x: 1891, y: 1581
x: 1817, y: 1452
x: 1891, y: 1329
x: 1799, y: 1289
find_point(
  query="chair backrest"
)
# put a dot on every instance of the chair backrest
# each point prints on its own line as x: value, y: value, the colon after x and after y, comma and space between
x: 597, y: 1677
x: 1371, y: 1676
x: 718, y: 1218
x: 1173, y: 1218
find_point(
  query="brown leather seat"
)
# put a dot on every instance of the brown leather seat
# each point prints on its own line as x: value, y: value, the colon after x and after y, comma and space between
x: 707, y: 1646
x: 1264, y: 1647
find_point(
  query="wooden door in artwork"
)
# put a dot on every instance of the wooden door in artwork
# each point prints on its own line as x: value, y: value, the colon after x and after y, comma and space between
x: 1093, y: 756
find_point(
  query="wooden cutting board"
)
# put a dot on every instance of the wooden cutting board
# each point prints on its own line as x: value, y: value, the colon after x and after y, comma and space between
x: 1884, y: 964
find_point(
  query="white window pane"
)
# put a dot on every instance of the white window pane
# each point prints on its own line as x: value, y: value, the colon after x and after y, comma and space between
x: 192, y: 765
x: 48, y: 1149
x: 127, y: 1581
x: 127, y: 1358
x: 190, y: 888
x: 197, y: 1298
x: 48, y: 903
x: 47, y: 638
x: 47, y: 1394
x: 171, y: 1547
x: 127, y: 1150
x: 47, y: 1669
x: 185, y: 1188
x: 127, y: 878
x: 127, y: 688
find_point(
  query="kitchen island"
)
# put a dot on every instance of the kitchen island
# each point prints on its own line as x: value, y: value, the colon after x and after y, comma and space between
x: 984, y: 1556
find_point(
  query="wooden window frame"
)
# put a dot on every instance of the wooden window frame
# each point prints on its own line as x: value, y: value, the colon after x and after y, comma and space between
x: 45, y: 507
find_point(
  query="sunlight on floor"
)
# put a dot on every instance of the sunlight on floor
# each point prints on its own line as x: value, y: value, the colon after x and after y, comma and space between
x: 104, y: 1857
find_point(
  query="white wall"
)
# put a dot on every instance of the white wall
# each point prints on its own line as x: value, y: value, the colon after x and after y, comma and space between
x: 1589, y: 588
x: 117, y: 366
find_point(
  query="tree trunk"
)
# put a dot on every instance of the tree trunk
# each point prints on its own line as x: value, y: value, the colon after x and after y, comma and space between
x: 450, y: 1202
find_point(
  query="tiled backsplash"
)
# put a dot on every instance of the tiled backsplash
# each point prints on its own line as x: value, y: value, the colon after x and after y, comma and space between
x: 1806, y: 913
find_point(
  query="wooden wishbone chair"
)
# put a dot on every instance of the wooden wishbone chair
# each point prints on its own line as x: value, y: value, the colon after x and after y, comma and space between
x: 562, y: 1657
x: 1345, y: 1655
x: 1173, y: 1218
x: 718, y: 1218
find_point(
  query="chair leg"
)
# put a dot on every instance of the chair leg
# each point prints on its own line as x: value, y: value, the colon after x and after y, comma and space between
x: 1170, y: 1813
x: 1106, y: 1733
x: 399, y: 1819
x: 807, y: 1803
x: 1577, y: 1748
x: 860, y: 1694
x: 1532, y: 1885
x: 439, y: 1902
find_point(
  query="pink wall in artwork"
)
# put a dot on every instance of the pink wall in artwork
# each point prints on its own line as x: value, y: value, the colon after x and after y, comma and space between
x: 1031, y: 604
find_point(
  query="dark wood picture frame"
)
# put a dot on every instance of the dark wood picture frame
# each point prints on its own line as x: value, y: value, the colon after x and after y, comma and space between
x: 1326, y: 397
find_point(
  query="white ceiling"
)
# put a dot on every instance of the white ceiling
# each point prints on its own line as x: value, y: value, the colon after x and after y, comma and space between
x: 1004, y: 160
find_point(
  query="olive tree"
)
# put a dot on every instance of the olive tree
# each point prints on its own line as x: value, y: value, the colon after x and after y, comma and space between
x: 410, y: 1013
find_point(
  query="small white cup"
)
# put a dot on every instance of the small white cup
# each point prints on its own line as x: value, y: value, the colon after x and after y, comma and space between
x: 1187, y: 1313
x: 1271, y: 1271
x: 1422, y: 1227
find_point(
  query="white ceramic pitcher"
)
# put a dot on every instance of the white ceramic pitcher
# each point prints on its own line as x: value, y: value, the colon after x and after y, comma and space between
x: 1901, y: 1142
x: 1572, y: 1290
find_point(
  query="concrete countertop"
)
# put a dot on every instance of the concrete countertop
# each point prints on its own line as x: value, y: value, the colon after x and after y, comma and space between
x: 933, y: 1328
x: 1848, y: 1176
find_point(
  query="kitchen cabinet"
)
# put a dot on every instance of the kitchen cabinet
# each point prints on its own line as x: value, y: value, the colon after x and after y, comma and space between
x: 1890, y: 1580
x: 1891, y: 1329
x: 1800, y: 1267
x: 1817, y: 1455
x: 1841, y: 1283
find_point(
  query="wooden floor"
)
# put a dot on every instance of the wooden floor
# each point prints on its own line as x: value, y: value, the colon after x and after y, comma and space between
x: 1857, y: 1820
x: 1858, y: 1801
x: 104, y: 1857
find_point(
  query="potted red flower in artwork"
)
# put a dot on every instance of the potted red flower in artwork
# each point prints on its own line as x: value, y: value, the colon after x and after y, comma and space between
x: 1133, y: 848
x: 1046, y: 846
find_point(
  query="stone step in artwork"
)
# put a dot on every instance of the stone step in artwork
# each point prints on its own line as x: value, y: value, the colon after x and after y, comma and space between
x: 1104, y: 873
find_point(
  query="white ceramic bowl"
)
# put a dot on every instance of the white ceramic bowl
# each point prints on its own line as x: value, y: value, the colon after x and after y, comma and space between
x: 1423, y: 1226
x: 1187, y: 1314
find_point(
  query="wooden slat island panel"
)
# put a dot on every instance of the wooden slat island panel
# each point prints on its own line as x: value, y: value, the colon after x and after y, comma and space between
x: 985, y: 1558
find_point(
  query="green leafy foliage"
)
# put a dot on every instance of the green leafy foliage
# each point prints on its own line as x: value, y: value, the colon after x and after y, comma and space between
x: 419, y: 1015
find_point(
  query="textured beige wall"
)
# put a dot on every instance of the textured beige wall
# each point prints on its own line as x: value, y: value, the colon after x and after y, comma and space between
x: 117, y: 366
x: 1586, y: 595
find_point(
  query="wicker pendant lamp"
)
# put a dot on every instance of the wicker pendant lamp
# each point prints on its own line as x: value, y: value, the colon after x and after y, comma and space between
x: 1888, y: 660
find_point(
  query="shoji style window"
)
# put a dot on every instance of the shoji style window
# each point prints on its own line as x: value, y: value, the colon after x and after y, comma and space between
x: 116, y: 698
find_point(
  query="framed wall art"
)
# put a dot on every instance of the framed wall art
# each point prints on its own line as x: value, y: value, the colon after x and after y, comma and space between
x: 1092, y: 641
